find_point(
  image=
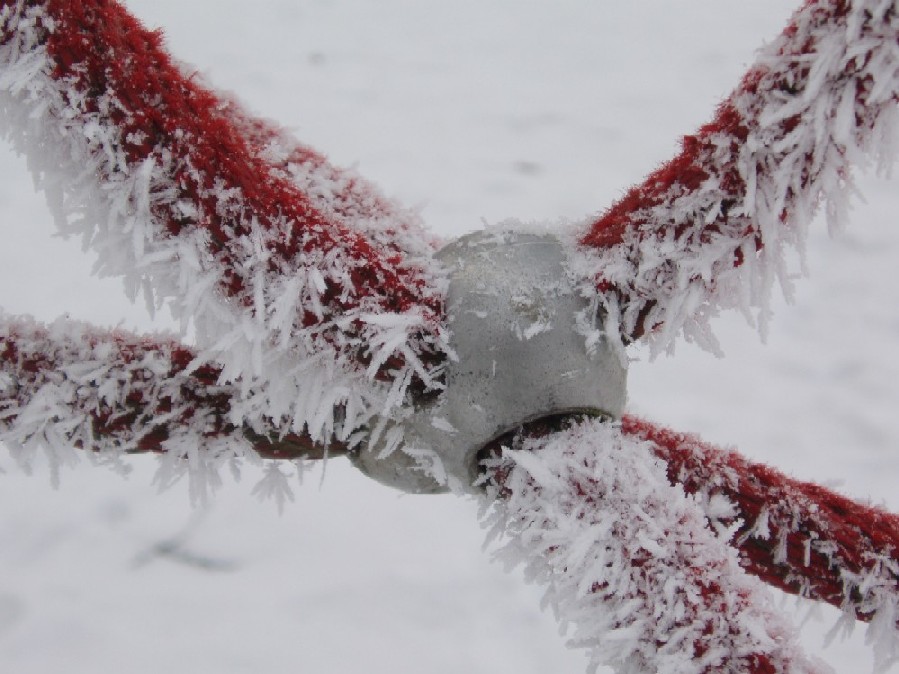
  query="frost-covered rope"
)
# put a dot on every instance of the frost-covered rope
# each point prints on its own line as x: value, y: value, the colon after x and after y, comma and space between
x: 340, y: 194
x: 709, y: 229
x: 68, y: 386
x: 797, y: 536
x: 296, y: 276
x: 316, y: 306
x: 629, y: 562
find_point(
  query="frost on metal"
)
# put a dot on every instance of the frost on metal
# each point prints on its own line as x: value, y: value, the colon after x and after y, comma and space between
x: 314, y: 294
x: 711, y: 229
x: 631, y: 568
x: 513, y: 316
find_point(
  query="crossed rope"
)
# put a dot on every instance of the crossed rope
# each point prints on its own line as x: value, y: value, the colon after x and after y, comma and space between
x: 319, y: 318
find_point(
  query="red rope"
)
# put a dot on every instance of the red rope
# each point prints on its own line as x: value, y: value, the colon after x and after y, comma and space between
x: 115, y: 73
x: 113, y: 392
x: 629, y: 562
x: 100, y: 49
x: 701, y: 207
x: 797, y: 536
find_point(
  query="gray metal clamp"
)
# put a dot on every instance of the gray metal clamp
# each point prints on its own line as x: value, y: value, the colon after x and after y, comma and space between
x: 512, y: 313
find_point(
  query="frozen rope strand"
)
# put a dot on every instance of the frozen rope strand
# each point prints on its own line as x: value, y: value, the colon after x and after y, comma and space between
x: 339, y: 193
x: 71, y: 386
x: 797, y: 536
x: 195, y: 204
x: 628, y: 559
x: 708, y: 230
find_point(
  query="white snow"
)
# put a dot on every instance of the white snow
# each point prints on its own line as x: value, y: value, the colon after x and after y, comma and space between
x: 441, y: 104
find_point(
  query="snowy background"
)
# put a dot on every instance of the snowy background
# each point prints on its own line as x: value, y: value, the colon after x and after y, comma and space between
x: 475, y: 111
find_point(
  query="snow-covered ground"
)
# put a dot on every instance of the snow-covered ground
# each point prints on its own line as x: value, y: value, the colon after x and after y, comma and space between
x: 476, y: 110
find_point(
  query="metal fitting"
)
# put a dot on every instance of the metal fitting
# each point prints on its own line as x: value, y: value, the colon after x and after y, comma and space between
x: 517, y: 329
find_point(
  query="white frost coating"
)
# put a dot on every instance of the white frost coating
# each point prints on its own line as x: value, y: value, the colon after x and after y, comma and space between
x: 789, y: 515
x: 631, y: 567
x: 289, y: 376
x: 877, y: 589
x: 345, y: 196
x: 84, y: 374
x: 684, y: 281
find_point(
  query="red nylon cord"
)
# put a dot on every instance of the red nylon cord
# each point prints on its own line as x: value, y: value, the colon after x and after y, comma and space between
x: 811, y: 536
x: 697, y: 161
x: 794, y: 535
x: 102, y: 51
x: 689, y: 202
x: 34, y: 357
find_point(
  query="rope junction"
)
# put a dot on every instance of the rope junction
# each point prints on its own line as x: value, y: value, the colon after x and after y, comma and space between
x: 327, y: 323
